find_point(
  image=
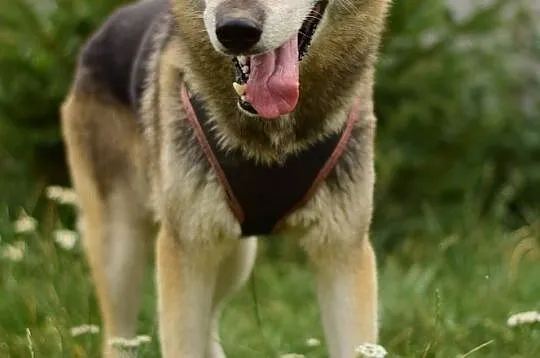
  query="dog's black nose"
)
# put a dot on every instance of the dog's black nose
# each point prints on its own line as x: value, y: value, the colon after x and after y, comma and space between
x: 238, y: 35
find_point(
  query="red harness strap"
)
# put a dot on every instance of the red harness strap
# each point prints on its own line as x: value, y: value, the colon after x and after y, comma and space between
x: 214, y: 163
x: 234, y: 203
x: 330, y: 163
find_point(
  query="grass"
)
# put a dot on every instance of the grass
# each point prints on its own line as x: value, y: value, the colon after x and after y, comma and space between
x: 444, y: 294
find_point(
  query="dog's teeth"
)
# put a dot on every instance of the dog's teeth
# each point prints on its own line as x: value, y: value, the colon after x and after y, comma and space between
x: 243, y: 98
x: 242, y: 60
x: 239, y: 89
x: 245, y: 69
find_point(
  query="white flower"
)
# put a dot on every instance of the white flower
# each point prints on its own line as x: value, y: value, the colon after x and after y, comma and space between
x: 523, y: 318
x: 84, y: 329
x: 313, y: 342
x: 25, y: 224
x: 61, y: 195
x: 129, y: 343
x: 14, y: 252
x: 370, y: 350
x: 66, y: 239
x: 144, y: 339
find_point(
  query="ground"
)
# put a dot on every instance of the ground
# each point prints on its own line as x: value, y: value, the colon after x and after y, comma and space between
x: 448, y: 295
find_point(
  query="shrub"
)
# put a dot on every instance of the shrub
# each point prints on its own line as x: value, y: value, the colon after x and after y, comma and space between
x: 455, y: 139
x: 39, y: 41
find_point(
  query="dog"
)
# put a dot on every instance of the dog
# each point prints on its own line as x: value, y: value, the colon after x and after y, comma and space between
x: 195, y: 127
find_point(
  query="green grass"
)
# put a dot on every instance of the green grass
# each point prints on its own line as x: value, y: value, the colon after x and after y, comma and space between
x: 443, y: 294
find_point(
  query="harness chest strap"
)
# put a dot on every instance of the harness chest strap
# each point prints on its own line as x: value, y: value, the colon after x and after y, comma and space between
x: 259, y: 196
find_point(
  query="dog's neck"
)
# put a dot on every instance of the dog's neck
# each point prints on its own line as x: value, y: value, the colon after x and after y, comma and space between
x: 338, y: 68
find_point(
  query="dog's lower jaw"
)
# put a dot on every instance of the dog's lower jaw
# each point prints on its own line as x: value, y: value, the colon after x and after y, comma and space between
x: 246, y: 112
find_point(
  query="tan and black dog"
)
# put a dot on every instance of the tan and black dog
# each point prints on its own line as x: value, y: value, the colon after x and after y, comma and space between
x: 220, y: 121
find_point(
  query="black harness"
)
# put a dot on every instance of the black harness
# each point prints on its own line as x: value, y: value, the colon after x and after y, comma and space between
x: 261, y: 196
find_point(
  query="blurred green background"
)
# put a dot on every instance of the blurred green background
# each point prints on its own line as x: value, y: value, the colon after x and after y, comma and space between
x: 457, y: 100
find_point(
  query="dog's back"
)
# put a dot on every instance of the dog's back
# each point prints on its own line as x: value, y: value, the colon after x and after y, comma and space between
x: 113, y: 59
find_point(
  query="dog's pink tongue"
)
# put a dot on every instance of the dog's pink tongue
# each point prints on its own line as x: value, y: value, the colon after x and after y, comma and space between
x: 273, y: 87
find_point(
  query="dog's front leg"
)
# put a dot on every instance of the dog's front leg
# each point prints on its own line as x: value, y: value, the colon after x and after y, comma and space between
x: 347, y: 293
x: 186, y: 278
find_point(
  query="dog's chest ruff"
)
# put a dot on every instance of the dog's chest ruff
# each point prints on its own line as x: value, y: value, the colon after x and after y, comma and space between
x: 262, y: 196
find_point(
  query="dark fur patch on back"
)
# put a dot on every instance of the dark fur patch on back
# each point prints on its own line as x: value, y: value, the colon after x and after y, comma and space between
x: 111, y: 74
x: 110, y: 59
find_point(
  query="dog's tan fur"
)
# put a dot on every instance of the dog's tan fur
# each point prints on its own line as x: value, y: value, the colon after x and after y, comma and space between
x: 130, y: 181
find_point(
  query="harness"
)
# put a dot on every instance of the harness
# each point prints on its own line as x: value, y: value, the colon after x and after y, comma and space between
x: 262, y: 196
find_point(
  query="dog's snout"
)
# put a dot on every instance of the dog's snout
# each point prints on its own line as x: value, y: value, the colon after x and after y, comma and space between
x: 238, y: 34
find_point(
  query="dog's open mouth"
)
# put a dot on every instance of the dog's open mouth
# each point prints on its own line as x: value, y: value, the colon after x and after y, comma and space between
x: 268, y: 84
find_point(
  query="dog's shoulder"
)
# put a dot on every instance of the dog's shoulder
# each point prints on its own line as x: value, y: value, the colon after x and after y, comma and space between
x: 109, y: 56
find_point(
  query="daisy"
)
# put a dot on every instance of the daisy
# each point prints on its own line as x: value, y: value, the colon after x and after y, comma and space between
x: 84, y: 329
x: 61, y: 195
x: 521, y: 318
x: 25, y: 224
x: 15, y: 252
x: 66, y: 239
x: 370, y: 350
x: 129, y: 343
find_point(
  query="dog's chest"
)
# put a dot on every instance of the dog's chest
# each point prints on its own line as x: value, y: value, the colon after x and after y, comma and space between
x: 262, y: 196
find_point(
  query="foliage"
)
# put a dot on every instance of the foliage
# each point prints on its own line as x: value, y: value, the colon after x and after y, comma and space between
x: 455, y: 136
x: 39, y: 41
